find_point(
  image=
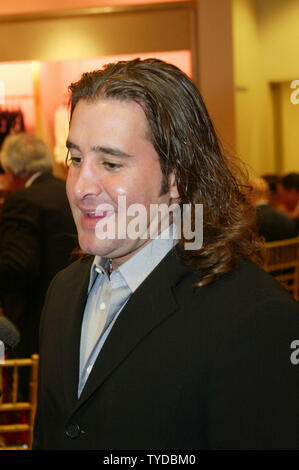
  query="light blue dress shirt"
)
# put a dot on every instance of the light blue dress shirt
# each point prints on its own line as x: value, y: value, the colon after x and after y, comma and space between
x: 107, y: 296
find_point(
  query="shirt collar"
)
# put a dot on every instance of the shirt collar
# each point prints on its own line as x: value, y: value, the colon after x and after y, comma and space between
x: 262, y: 202
x: 32, y: 178
x: 137, y: 268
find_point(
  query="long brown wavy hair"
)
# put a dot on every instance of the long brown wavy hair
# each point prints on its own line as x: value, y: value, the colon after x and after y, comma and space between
x: 185, y: 140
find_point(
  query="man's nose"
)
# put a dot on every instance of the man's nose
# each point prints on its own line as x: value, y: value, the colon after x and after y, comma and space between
x: 89, y: 181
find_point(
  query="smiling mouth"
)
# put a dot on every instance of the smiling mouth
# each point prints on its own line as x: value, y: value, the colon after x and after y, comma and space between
x: 94, y: 214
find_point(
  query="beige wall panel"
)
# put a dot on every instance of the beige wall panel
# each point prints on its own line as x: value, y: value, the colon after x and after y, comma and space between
x: 266, y: 39
x: 290, y: 129
x: 215, y: 66
x: 248, y: 93
x: 279, y: 38
x: 96, y: 35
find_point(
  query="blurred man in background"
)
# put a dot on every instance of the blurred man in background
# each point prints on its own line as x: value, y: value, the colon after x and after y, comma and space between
x: 36, y: 234
x: 288, y: 190
x: 273, y: 198
x: 272, y: 224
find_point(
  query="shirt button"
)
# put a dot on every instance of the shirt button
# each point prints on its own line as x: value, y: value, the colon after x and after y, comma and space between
x: 102, y: 306
x: 73, y: 431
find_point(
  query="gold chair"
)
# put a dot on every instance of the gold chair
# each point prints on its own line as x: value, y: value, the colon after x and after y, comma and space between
x: 282, y: 261
x: 10, y: 401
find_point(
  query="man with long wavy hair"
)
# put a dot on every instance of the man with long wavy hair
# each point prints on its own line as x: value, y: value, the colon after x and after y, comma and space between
x: 172, y: 341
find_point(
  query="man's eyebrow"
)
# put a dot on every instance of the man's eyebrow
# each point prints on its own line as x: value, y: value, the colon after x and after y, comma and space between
x: 111, y: 151
x: 100, y: 149
x: 71, y: 145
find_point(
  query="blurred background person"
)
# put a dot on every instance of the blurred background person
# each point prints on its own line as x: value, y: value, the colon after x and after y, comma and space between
x: 5, y: 187
x: 37, y: 234
x: 288, y: 190
x: 273, y: 197
x: 272, y: 224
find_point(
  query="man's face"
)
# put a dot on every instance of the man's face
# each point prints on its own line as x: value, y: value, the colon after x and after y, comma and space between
x: 112, y: 156
x: 288, y: 197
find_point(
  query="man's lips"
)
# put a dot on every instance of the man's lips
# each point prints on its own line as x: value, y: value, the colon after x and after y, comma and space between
x: 90, y: 217
x: 96, y: 214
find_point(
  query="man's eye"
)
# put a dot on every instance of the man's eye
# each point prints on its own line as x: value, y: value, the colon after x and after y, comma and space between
x: 112, y: 166
x: 75, y: 160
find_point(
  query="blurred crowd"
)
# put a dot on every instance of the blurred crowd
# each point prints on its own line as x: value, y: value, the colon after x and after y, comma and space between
x: 276, y: 200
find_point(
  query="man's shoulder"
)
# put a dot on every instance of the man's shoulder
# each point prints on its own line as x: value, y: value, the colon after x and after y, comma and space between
x: 236, y: 291
x: 77, y: 268
x: 16, y: 202
x: 72, y: 279
x: 46, y: 194
x: 245, y: 302
x: 34, y: 191
x: 44, y: 183
x: 241, y: 286
x: 247, y: 278
x: 239, y: 292
x: 249, y: 281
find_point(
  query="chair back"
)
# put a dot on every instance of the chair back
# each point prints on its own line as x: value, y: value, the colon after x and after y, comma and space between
x: 282, y: 261
x: 16, y: 414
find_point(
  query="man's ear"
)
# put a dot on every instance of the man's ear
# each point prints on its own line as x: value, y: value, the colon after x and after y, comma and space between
x: 173, y: 189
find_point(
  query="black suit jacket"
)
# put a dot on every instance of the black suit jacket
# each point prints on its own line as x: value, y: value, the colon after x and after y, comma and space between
x: 37, y: 236
x: 273, y: 224
x: 180, y: 369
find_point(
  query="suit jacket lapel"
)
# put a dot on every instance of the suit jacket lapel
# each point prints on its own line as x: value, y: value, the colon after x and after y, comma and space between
x: 76, y: 295
x: 151, y: 304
